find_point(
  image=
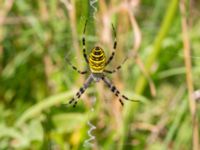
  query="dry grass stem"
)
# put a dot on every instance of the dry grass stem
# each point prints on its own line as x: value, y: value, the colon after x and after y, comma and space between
x: 128, y: 7
x: 189, y: 80
x: 137, y: 43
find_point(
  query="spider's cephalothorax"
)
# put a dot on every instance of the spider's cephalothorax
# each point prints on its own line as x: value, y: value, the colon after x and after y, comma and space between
x: 97, y: 62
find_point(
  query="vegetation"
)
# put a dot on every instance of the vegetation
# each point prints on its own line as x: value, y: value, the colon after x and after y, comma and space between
x: 161, y: 40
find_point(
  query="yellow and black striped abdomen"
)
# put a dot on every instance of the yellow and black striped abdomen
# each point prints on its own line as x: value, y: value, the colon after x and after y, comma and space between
x: 97, y: 60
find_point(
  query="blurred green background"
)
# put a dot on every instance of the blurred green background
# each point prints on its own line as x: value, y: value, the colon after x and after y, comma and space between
x: 36, y: 82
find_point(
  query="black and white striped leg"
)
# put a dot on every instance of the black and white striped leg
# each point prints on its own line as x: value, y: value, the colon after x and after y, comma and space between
x: 75, y: 68
x: 83, y: 42
x: 114, y: 46
x: 74, y: 100
x: 116, y: 69
x: 116, y: 91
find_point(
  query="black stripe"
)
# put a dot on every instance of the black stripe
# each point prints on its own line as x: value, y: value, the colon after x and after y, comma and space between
x: 113, y: 53
x: 118, y: 67
x: 111, y: 57
x: 82, y: 90
x: 97, y: 52
x: 121, y: 102
x: 82, y: 72
x: 115, y: 45
x: 97, y: 48
x: 85, y: 56
x: 75, y: 104
x: 125, y: 97
x: 77, y: 94
x: 71, y: 100
x: 74, y: 67
x: 117, y: 92
x: 113, y: 88
x: 107, y: 71
x: 83, y: 40
x: 97, y: 58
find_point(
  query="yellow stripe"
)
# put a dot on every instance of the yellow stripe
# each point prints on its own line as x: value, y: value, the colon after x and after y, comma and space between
x: 96, y: 71
x: 97, y: 61
x: 96, y: 58
x: 97, y: 68
x: 96, y: 65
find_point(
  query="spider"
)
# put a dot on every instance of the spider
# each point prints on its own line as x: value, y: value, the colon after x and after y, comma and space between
x: 97, y: 62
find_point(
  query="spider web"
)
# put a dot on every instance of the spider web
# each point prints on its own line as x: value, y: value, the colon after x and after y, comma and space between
x: 87, y: 142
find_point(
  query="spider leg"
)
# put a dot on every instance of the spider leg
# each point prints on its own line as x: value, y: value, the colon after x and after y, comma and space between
x: 114, y: 47
x: 116, y: 69
x: 116, y: 91
x: 75, y: 68
x: 83, y: 42
x: 81, y: 91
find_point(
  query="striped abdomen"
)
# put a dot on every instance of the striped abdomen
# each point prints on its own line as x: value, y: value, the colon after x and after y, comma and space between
x: 97, y: 60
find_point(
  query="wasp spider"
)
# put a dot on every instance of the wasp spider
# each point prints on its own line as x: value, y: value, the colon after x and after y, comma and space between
x: 97, y: 62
